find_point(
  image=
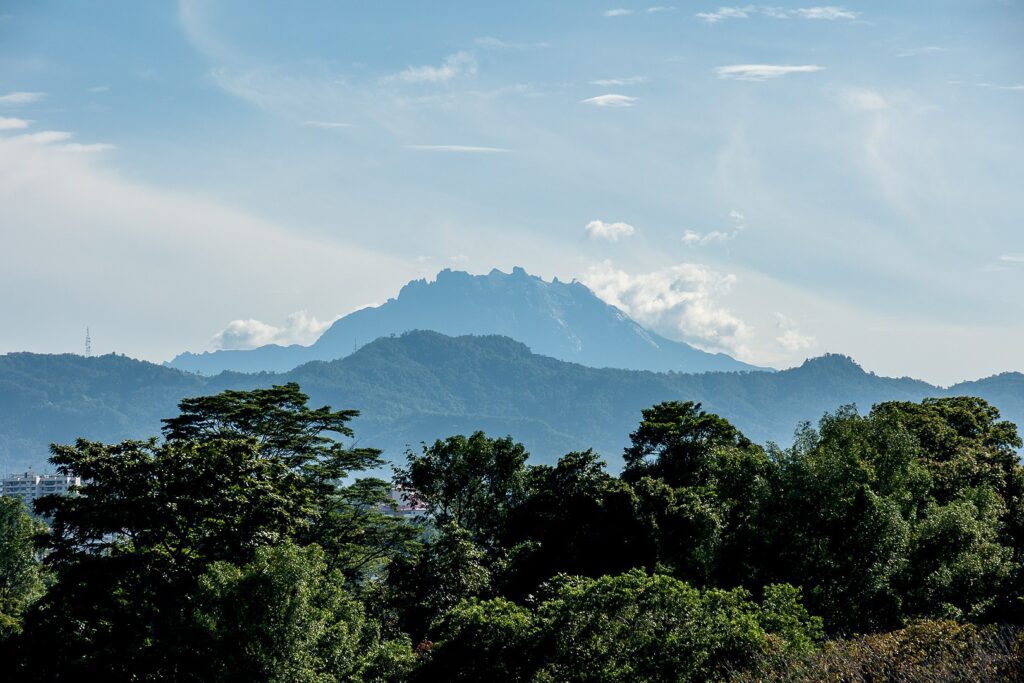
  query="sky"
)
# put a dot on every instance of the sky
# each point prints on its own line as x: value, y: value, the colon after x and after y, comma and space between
x: 771, y: 181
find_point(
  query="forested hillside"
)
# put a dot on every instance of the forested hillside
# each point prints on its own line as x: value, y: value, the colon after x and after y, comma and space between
x: 424, y: 385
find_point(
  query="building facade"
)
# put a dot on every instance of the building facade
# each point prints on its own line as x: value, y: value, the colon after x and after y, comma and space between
x: 28, y: 486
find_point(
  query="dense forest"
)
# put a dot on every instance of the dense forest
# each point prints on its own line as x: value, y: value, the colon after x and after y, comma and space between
x: 244, y: 545
x: 422, y: 386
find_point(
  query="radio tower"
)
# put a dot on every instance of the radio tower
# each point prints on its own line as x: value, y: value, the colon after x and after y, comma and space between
x: 88, y: 343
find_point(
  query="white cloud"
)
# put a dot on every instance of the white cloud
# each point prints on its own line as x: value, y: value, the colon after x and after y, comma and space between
x: 716, y: 236
x: 680, y: 302
x: 44, y: 137
x: 790, y: 337
x: 826, y: 13
x: 118, y: 248
x: 470, y: 149
x: 455, y: 66
x: 618, y: 12
x: 723, y: 13
x: 1012, y: 258
x: 99, y: 88
x: 611, y: 232
x: 661, y: 8
x: 916, y: 51
x: 631, y: 80
x: 499, y: 44
x: 21, y: 97
x: 12, y: 124
x: 829, y: 13
x: 88, y: 148
x: 864, y: 99
x: 762, y: 72
x: 298, y: 328
x: 326, y: 124
x: 691, y: 237
x: 610, y: 100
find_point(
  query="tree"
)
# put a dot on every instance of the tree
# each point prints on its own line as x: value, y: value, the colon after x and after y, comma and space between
x: 701, y: 484
x: 285, y: 617
x: 237, y: 473
x: 612, y: 629
x: 576, y: 519
x: 472, y: 482
x: 449, y: 569
x: 21, y: 576
x: 346, y: 521
x: 676, y: 442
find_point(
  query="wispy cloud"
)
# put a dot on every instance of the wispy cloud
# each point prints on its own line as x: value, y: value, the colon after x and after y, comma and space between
x: 470, y: 149
x: 661, y: 8
x: 498, y: 44
x: 21, y: 98
x: 631, y: 80
x: 1012, y: 258
x: 44, y: 137
x: 694, y: 238
x: 825, y: 13
x: 917, y: 51
x: 790, y: 338
x: 455, y: 66
x: 619, y: 12
x: 610, y: 100
x: 723, y: 13
x: 609, y: 232
x: 99, y: 88
x: 326, y: 124
x: 830, y: 13
x: 763, y: 72
x: 12, y: 124
x: 88, y: 148
x: 864, y: 99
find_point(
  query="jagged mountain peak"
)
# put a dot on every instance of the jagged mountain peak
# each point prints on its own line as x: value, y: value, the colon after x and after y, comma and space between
x: 565, y: 320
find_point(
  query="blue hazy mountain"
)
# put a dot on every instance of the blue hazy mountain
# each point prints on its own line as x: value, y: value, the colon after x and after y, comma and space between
x: 423, y: 385
x: 563, y: 320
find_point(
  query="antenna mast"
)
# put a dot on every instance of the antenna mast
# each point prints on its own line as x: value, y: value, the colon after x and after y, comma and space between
x: 88, y: 343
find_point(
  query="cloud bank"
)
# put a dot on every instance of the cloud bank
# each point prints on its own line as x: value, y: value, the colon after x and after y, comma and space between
x: 298, y: 328
x: 679, y: 302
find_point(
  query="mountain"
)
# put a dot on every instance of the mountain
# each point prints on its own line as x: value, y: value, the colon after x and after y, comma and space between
x: 558, y: 319
x: 423, y: 385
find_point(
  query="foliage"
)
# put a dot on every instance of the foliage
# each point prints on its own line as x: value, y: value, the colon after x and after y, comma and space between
x: 926, y: 651
x: 283, y: 617
x: 21, y: 576
x: 472, y: 482
x: 242, y: 547
x: 631, y: 627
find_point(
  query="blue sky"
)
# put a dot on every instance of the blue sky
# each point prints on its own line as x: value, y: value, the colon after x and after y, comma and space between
x: 773, y: 181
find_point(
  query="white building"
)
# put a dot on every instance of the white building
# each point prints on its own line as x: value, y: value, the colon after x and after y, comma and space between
x: 28, y: 486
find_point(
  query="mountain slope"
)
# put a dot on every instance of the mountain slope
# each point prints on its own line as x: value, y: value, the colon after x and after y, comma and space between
x: 562, y: 320
x: 424, y: 385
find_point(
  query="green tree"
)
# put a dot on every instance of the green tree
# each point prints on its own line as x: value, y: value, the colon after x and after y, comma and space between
x: 21, y: 576
x: 472, y: 482
x: 346, y: 521
x: 449, y: 569
x: 285, y: 617
x: 237, y: 473
x: 627, y: 628
x: 576, y: 519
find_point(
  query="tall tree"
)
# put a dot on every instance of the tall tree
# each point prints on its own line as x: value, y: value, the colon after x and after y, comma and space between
x: 21, y: 576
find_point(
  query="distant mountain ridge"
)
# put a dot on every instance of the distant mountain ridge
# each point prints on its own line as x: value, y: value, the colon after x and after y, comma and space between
x: 564, y: 320
x: 422, y: 386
